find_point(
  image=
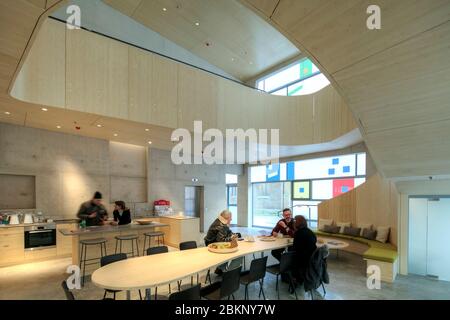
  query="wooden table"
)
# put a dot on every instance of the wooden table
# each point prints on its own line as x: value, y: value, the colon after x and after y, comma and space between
x: 156, y: 270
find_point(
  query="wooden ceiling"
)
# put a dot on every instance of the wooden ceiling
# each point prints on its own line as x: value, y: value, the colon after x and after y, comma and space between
x: 228, y: 36
x: 396, y: 80
x: 18, y: 20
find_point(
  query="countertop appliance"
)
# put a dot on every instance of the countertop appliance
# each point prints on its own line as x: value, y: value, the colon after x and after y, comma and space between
x: 28, y: 218
x: 14, y: 218
x: 42, y: 236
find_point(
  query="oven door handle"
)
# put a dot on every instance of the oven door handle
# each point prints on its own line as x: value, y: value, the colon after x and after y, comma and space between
x: 40, y: 231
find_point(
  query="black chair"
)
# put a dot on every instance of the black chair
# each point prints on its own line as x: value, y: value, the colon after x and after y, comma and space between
x: 311, y: 273
x: 226, y: 288
x: 158, y: 250
x: 187, y: 245
x: 257, y: 272
x: 285, y: 267
x: 192, y: 293
x: 108, y: 260
x: 68, y: 293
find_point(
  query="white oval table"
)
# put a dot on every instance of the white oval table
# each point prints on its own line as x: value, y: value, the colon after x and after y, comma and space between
x: 160, y: 269
x: 332, y: 244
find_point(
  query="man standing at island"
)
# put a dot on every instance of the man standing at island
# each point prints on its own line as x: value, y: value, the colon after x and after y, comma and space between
x: 93, y: 211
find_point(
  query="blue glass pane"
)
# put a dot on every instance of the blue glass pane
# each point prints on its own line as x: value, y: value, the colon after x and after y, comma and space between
x: 331, y: 171
x: 346, y: 169
x: 335, y: 161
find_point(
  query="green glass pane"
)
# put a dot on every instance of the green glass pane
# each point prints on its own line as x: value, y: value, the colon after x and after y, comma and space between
x: 292, y: 90
x: 301, y: 190
x: 306, y: 68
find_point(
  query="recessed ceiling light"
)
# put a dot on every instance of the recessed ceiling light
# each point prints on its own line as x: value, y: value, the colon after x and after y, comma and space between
x: 59, y: 127
x: 197, y: 24
x: 164, y: 9
x: 232, y: 59
x: 147, y: 130
x: 44, y: 109
x: 115, y: 134
x: 251, y: 62
x: 149, y: 142
x: 99, y: 126
x: 7, y: 113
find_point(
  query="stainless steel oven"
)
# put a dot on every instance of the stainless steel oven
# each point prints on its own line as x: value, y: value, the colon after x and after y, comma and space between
x: 40, y: 236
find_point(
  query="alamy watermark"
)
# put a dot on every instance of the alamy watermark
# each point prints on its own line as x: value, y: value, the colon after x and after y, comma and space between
x: 237, y: 146
x: 74, y: 280
x: 373, y: 22
x: 73, y: 22
x: 373, y: 277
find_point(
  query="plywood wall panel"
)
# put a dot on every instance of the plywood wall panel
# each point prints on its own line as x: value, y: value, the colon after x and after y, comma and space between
x: 374, y: 202
x: 42, y: 77
x: 140, y: 102
x: 164, y: 92
x: 97, y: 74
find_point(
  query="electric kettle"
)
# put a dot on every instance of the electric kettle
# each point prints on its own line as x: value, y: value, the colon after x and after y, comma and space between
x: 14, y: 218
x: 28, y: 218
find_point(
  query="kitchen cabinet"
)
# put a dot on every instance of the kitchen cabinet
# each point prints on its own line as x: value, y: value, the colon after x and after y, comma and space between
x: 11, y: 246
x: 64, y: 244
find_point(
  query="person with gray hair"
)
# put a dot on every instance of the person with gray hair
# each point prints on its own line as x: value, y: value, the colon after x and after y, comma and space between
x: 219, y: 231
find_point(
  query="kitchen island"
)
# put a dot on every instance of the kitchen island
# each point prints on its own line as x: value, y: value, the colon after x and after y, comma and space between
x: 176, y: 229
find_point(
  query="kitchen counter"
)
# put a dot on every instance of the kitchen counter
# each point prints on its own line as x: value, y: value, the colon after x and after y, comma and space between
x: 110, y: 228
x: 177, y: 217
x: 63, y: 221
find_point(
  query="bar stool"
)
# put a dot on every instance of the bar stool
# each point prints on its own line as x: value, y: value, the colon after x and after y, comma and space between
x: 155, y: 234
x: 129, y: 237
x: 84, y: 246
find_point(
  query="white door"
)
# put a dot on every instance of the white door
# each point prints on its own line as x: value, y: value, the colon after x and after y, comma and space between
x: 417, y: 249
x: 438, y: 238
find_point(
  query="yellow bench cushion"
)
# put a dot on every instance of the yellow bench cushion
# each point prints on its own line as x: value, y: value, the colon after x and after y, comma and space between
x: 377, y: 250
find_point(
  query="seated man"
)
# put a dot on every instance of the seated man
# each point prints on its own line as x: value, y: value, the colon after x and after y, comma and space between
x: 219, y: 231
x: 286, y: 227
x: 304, y: 244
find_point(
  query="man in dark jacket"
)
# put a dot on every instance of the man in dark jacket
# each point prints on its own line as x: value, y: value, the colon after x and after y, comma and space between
x: 304, y: 244
x: 219, y: 231
x: 93, y: 211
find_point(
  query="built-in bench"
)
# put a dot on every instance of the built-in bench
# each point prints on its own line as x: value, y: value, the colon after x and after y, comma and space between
x: 383, y: 255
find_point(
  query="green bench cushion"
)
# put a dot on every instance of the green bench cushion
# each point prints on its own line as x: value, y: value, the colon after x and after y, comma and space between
x: 377, y: 250
x: 385, y: 255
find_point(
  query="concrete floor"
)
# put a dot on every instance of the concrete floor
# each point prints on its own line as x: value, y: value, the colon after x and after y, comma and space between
x: 42, y: 280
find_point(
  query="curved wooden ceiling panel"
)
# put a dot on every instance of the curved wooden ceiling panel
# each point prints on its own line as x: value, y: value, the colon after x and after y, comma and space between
x: 395, y: 79
x: 84, y: 72
x: 228, y: 35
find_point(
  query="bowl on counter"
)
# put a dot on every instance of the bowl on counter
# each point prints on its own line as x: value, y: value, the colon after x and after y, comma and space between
x: 143, y: 221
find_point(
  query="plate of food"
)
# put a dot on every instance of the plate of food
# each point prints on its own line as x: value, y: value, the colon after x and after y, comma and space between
x: 223, y: 247
x: 267, y: 238
x: 144, y: 221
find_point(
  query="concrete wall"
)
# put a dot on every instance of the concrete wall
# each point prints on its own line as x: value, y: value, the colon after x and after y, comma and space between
x: 68, y: 169
x: 167, y: 181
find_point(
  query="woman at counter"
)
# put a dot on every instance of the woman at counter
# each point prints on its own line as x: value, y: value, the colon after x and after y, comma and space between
x: 121, y: 213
